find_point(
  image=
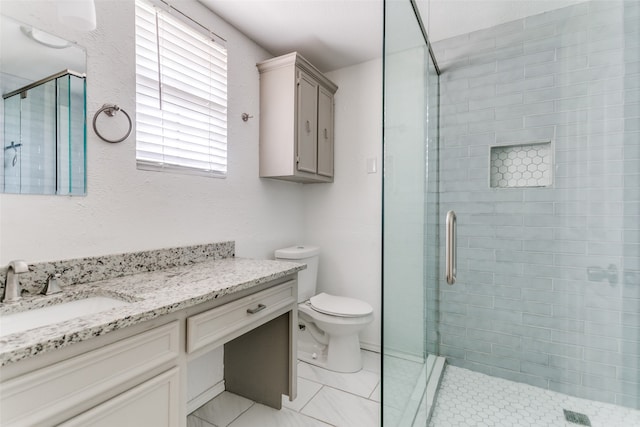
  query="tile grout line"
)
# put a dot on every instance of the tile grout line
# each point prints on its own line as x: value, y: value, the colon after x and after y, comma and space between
x: 240, y: 414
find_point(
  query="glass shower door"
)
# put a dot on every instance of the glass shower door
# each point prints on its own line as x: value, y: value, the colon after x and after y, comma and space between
x: 410, y: 226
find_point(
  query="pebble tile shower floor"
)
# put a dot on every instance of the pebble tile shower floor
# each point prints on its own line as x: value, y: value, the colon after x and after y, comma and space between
x: 467, y: 399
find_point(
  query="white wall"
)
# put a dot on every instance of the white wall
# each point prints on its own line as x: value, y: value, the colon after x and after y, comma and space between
x: 344, y: 218
x: 127, y: 209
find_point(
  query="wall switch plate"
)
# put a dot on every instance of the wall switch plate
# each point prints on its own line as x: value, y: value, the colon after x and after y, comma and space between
x: 372, y: 165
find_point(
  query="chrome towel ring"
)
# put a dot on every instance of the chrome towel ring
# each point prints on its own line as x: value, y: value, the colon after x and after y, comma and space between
x: 111, y: 110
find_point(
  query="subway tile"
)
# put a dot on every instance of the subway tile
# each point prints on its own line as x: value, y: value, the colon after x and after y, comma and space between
x: 467, y: 49
x: 572, y: 50
x: 585, y: 341
x: 524, y: 282
x: 498, y: 77
x: 555, y: 272
x: 555, y: 118
x: 555, y: 246
x: 526, y: 36
x: 557, y: 323
x: 524, y: 110
x: 494, y: 337
x: 497, y: 101
x: 525, y: 84
x: 581, y: 365
x: 527, y: 135
x: 524, y: 257
x: 468, y: 72
x: 611, y: 384
x: 466, y: 342
x: 519, y: 377
x: 555, y: 41
x: 559, y: 66
x: 479, y: 140
x: 530, y: 356
x: 583, y: 392
x: 522, y: 60
x: 467, y: 117
x: 550, y: 372
x: 492, y: 360
x: 549, y: 94
x: 523, y: 306
x: 559, y: 349
x: 495, y: 126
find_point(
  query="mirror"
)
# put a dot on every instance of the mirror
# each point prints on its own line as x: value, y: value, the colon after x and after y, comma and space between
x: 43, y: 112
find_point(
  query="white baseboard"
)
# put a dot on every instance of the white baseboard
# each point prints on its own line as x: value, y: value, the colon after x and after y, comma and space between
x: 405, y: 356
x: 371, y: 347
x: 204, y: 397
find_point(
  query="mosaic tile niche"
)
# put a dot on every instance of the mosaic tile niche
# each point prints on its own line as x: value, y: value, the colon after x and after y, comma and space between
x: 523, y: 165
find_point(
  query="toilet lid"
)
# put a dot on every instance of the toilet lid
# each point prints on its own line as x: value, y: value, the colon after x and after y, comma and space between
x: 339, y: 306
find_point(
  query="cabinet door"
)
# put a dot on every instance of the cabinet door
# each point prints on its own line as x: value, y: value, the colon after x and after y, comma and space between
x: 152, y: 403
x: 307, y: 123
x: 325, y: 132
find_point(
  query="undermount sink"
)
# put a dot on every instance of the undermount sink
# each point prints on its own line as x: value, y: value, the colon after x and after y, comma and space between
x: 56, y: 313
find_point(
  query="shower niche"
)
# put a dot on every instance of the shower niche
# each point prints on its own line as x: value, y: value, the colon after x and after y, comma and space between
x: 521, y: 165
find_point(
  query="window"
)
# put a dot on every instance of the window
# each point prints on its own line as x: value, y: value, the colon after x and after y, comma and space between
x: 181, y: 96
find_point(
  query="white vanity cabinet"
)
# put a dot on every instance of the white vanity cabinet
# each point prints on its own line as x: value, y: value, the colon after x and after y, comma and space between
x: 94, y: 383
x: 137, y: 375
x: 296, y: 121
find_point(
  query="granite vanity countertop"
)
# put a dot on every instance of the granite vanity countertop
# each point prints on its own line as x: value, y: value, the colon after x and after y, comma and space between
x: 150, y: 295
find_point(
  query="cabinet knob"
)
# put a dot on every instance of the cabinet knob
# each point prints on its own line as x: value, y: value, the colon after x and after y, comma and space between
x: 325, y: 134
x: 308, y: 126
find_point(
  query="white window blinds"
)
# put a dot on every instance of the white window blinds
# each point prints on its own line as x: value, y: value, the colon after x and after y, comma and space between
x: 181, y: 96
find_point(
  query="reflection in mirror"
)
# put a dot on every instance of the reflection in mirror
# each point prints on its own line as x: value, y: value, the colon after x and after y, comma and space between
x: 43, y: 112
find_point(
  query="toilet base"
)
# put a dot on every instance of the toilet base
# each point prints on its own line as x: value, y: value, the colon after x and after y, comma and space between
x: 342, y: 354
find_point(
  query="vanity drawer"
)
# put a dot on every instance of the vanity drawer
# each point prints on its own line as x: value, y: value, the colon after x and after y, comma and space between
x: 78, y: 383
x: 222, y: 324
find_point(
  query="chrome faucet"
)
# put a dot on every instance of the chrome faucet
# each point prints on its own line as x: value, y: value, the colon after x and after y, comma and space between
x: 52, y: 286
x: 12, y: 289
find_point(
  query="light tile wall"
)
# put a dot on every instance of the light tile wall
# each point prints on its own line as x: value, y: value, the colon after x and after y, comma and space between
x: 548, y: 289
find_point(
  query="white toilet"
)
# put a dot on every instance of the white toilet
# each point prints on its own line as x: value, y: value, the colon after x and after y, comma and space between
x: 329, y: 325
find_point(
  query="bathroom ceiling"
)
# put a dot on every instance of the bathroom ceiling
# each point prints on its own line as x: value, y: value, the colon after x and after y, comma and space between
x: 334, y: 34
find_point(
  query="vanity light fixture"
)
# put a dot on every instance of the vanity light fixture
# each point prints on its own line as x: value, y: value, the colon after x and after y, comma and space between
x: 44, y: 38
x: 77, y: 14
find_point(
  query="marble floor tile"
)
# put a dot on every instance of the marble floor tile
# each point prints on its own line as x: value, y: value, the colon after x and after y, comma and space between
x: 361, y: 383
x: 343, y: 409
x: 193, y: 421
x: 263, y: 416
x: 390, y: 416
x: 371, y: 361
x: 376, y: 394
x: 400, y: 377
x: 306, y: 390
x: 223, y: 409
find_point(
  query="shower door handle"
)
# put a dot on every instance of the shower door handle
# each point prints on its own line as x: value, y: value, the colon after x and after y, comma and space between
x: 450, y: 248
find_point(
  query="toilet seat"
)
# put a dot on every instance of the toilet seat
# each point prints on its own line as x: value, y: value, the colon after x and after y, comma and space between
x: 339, y: 306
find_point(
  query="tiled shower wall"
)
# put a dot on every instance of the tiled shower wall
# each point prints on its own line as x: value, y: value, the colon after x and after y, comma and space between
x: 548, y: 289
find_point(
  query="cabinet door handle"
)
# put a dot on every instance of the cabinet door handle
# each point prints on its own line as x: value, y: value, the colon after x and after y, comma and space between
x: 325, y: 134
x: 260, y: 307
x: 308, y: 126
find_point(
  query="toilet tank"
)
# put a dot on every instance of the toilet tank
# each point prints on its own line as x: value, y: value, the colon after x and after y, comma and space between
x: 306, y: 278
